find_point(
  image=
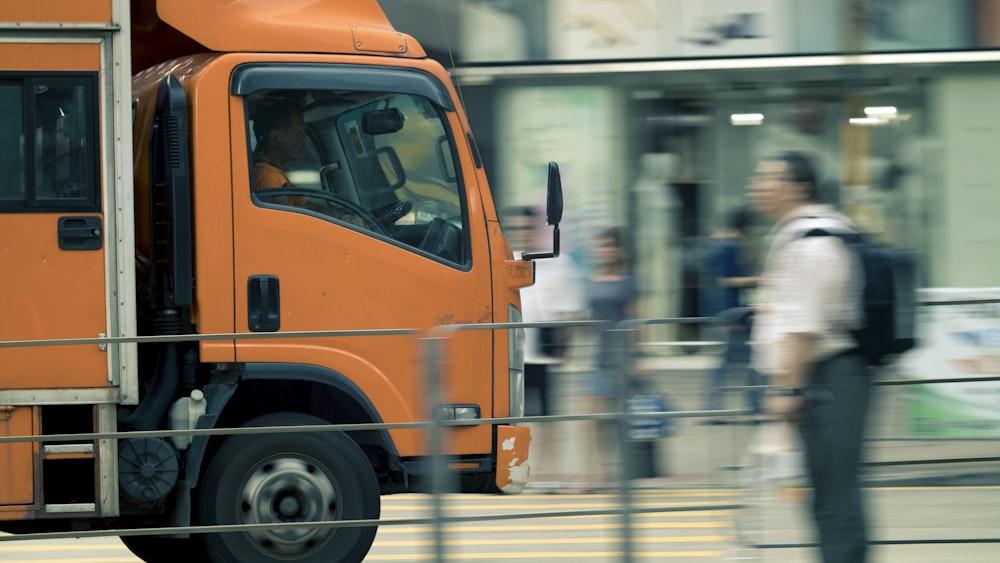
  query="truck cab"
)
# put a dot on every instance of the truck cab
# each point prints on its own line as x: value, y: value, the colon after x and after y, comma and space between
x: 262, y: 224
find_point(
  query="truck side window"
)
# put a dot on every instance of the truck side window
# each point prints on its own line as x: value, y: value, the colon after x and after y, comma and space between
x: 11, y: 141
x: 379, y: 162
x: 48, y: 143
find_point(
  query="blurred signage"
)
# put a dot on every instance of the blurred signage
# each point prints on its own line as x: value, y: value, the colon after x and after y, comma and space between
x: 577, y: 127
x: 626, y: 29
x: 959, y: 338
x: 536, y: 30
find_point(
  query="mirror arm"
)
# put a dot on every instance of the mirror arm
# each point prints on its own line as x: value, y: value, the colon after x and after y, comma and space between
x: 540, y: 255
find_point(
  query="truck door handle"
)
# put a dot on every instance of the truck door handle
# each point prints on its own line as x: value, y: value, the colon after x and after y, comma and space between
x: 263, y: 304
x: 80, y: 233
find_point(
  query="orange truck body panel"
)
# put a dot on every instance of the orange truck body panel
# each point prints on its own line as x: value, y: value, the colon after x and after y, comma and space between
x: 50, y: 56
x: 57, y: 11
x: 289, y: 26
x: 16, y: 469
x: 53, y: 294
x: 333, y: 277
x: 168, y: 29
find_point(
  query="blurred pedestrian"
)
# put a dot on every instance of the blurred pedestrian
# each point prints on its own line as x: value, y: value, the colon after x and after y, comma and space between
x: 726, y: 284
x: 556, y: 295
x: 810, y: 300
x: 612, y: 293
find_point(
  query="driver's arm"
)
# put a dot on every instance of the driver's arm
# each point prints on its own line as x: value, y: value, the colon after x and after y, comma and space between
x: 266, y: 177
x: 350, y: 218
x: 325, y: 208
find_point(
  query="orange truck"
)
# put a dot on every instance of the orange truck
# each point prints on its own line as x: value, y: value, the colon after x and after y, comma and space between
x: 227, y: 178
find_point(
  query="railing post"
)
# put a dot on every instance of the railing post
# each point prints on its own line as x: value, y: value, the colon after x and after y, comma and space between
x: 433, y: 349
x: 619, y: 340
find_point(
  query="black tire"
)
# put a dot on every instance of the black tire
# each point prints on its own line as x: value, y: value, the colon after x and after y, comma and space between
x: 166, y: 550
x: 271, y: 478
x: 480, y: 483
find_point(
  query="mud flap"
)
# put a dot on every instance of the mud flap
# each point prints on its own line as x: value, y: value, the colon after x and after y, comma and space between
x: 512, y: 458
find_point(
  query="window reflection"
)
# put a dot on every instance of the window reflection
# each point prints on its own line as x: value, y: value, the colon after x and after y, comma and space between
x: 48, y: 143
x: 11, y: 143
x: 380, y: 162
x: 61, y: 141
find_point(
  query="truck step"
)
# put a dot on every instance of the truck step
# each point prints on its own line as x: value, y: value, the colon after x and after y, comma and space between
x: 76, y: 507
x: 68, y: 451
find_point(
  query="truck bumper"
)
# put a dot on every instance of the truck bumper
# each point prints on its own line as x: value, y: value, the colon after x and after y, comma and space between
x: 512, y: 458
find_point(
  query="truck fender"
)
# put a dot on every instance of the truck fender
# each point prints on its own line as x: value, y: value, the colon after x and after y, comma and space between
x: 218, y: 395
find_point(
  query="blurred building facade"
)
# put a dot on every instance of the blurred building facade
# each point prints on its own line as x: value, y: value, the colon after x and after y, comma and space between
x: 656, y: 111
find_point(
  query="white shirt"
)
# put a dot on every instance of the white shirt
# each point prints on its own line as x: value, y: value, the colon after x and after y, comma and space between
x: 557, y: 293
x: 809, y: 285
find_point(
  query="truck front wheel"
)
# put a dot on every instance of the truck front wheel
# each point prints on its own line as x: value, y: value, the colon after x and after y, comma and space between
x: 284, y: 478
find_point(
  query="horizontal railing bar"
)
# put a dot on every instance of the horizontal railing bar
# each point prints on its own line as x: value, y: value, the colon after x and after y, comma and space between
x: 880, y: 542
x: 937, y: 439
x: 104, y: 340
x: 441, y: 330
x: 627, y: 324
x: 929, y: 461
x: 361, y: 426
x: 154, y: 339
x: 937, y: 303
x: 939, y: 380
x: 680, y: 343
x: 936, y: 541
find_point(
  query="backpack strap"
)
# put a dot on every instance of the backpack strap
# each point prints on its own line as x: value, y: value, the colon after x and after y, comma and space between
x: 848, y: 238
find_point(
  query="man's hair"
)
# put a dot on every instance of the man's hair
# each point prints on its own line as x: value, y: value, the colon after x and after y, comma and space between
x: 272, y: 112
x: 800, y: 171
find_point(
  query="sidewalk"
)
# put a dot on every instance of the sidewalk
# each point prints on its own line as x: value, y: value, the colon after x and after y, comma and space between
x: 889, y: 438
x: 711, y: 455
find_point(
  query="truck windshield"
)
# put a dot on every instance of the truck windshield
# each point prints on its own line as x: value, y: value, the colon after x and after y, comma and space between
x: 379, y: 162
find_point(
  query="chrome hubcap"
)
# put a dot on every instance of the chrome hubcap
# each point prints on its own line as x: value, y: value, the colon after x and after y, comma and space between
x: 289, y: 489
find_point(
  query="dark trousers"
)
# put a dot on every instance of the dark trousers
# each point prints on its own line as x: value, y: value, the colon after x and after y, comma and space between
x: 536, y: 382
x: 832, y: 429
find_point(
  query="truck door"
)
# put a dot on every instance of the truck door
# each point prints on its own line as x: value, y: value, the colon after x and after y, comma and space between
x: 352, y: 214
x: 52, y: 251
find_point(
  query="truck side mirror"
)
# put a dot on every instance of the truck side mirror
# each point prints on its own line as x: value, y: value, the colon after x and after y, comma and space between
x: 553, y: 213
x: 554, y: 203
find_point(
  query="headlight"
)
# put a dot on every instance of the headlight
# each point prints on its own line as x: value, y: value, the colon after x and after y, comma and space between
x: 515, y: 362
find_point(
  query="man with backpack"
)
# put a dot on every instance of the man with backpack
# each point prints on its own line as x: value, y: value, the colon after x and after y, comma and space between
x: 810, y: 294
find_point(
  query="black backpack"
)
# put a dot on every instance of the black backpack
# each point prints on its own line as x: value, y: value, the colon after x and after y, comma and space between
x: 888, y: 298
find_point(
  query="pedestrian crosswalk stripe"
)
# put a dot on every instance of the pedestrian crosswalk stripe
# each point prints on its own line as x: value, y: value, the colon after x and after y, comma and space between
x: 554, y: 527
x: 539, y: 555
x: 508, y: 542
x: 129, y: 559
x: 565, y: 505
x: 74, y: 547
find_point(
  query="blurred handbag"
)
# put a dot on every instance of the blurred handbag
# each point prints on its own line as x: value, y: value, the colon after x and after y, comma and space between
x: 651, y: 428
x: 774, y: 456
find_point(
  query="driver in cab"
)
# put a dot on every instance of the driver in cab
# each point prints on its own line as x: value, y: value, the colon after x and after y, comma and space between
x: 280, y: 129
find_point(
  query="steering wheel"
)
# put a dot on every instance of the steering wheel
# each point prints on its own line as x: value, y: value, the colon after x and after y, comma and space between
x: 334, y: 201
x: 389, y: 214
x: 440, y: 239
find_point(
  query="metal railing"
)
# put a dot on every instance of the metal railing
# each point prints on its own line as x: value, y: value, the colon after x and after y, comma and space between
x: 435, y: 344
